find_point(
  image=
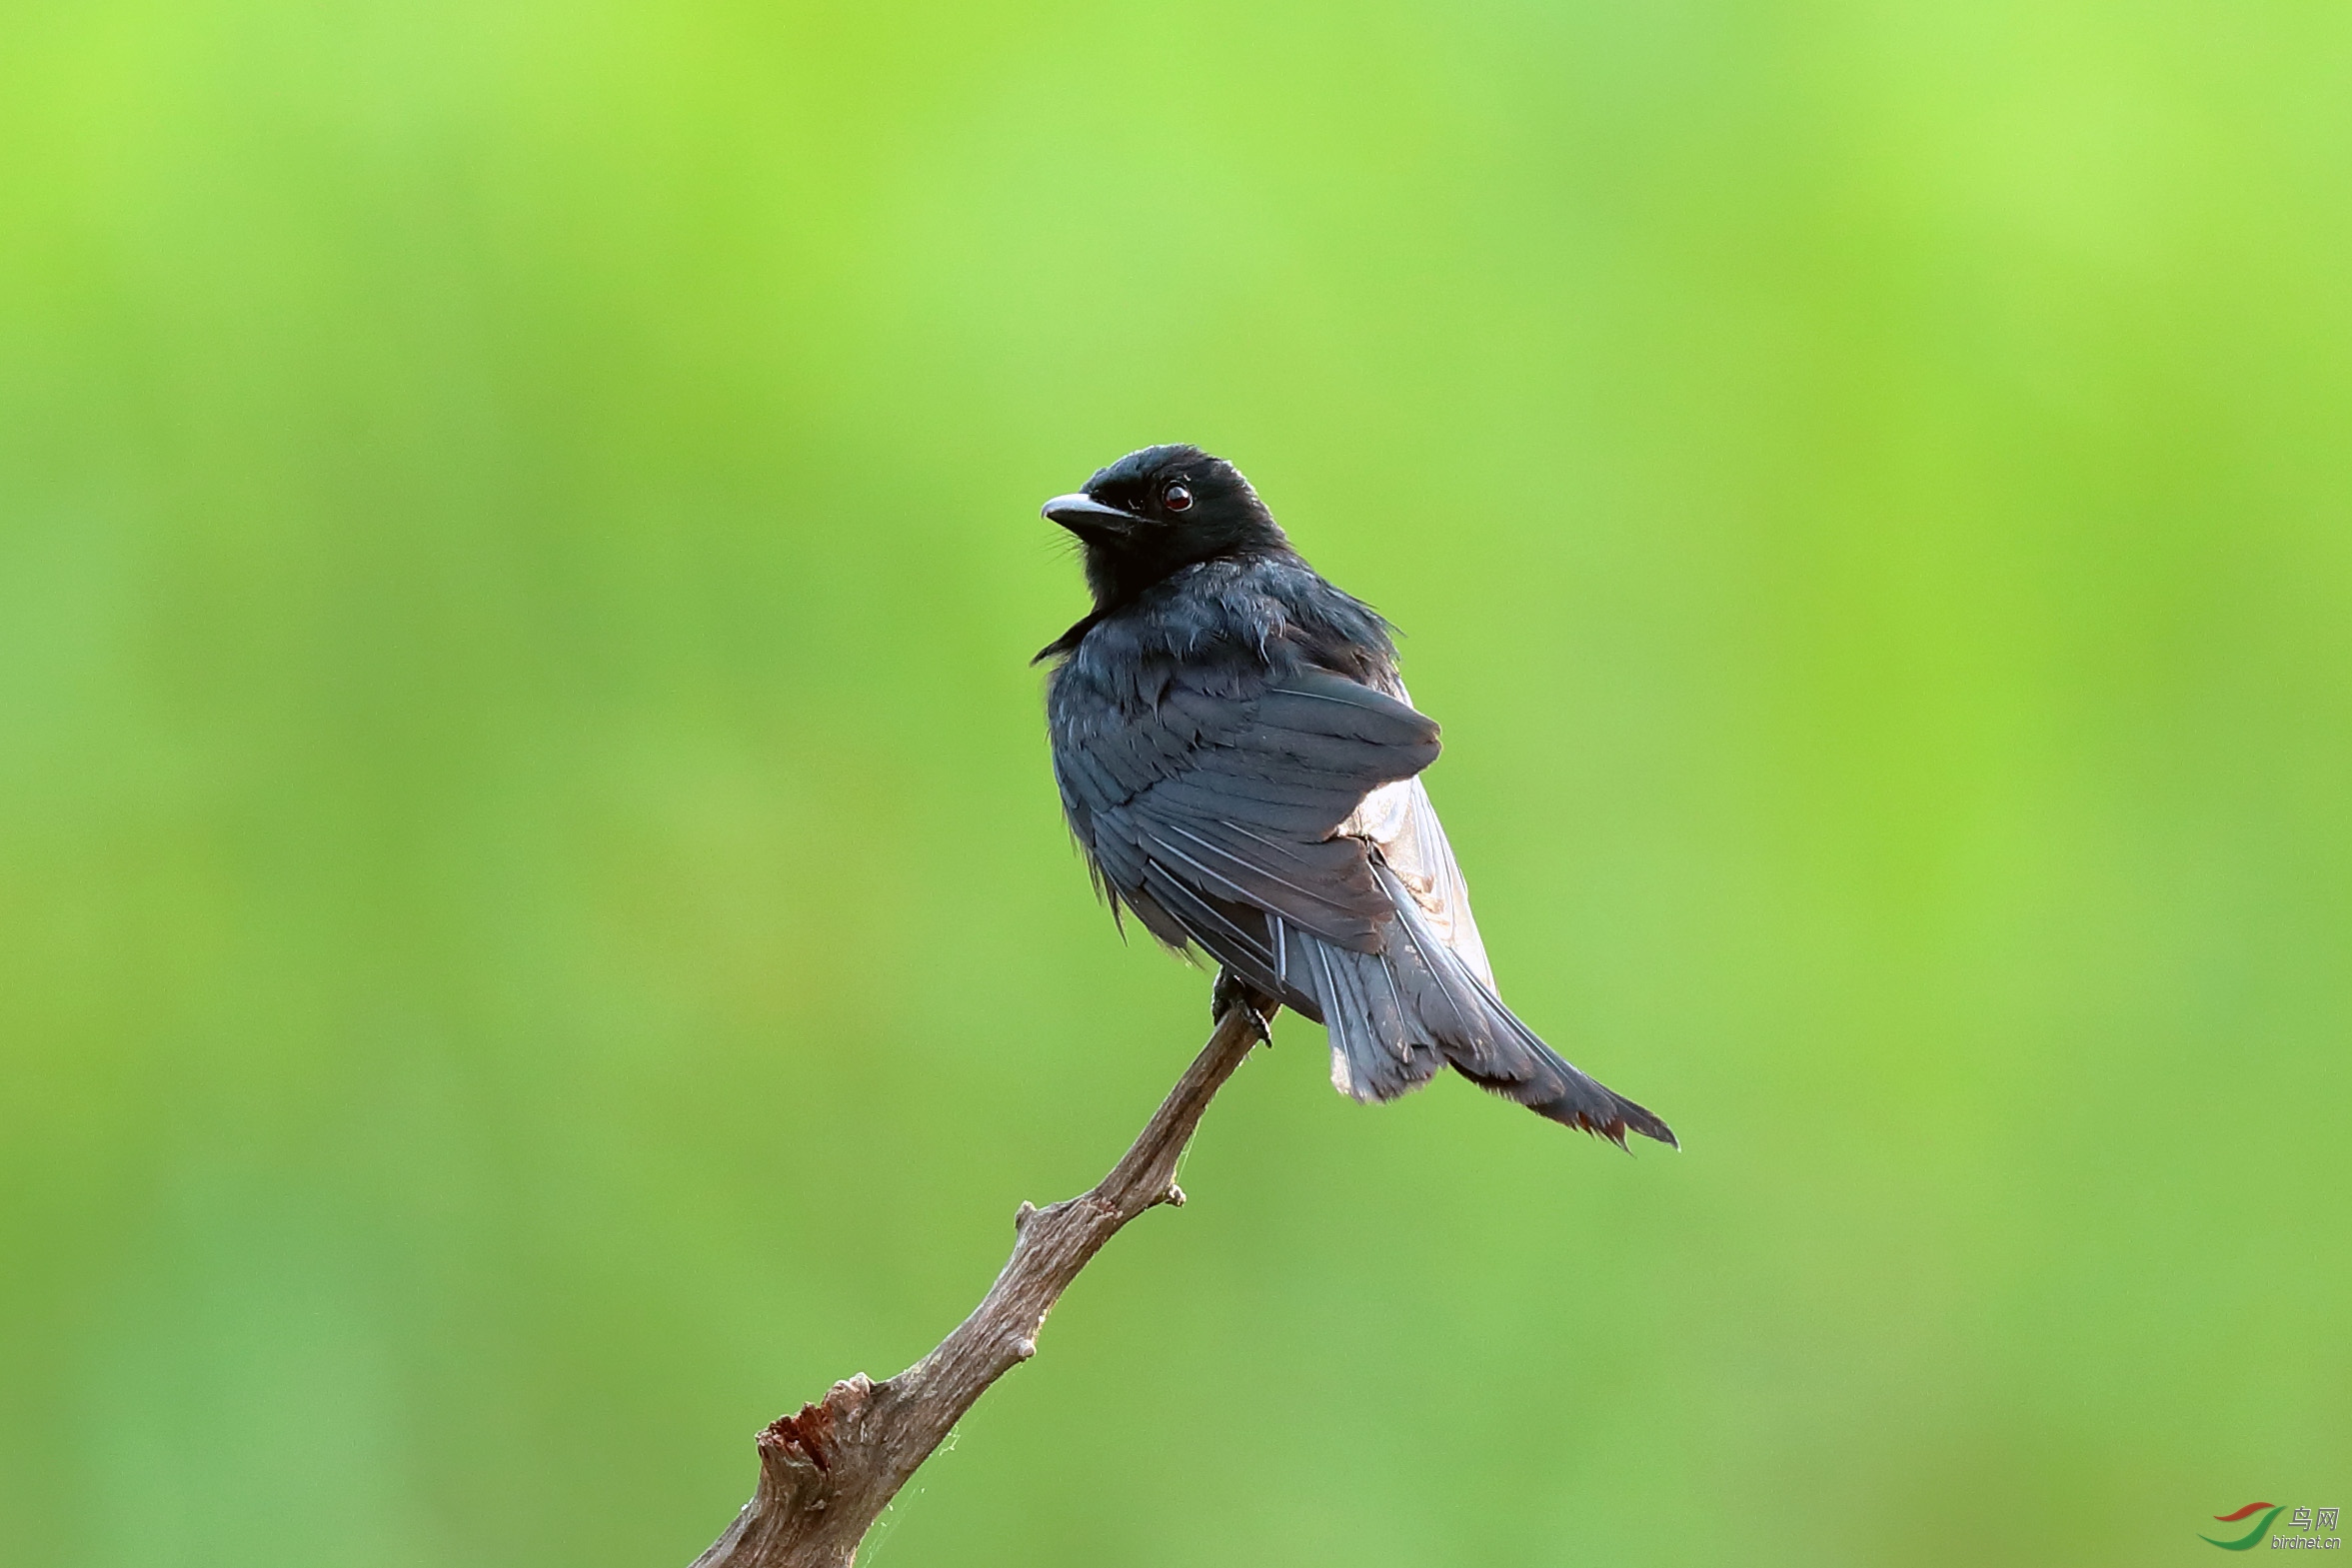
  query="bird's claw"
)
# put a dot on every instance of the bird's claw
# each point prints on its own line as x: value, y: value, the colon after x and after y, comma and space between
x: 1229, y: 994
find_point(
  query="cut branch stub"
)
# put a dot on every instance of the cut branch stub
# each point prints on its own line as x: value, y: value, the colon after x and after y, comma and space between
x: 826, y: 1472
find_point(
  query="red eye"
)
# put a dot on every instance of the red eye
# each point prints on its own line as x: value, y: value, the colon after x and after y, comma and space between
x: 1176, y: 498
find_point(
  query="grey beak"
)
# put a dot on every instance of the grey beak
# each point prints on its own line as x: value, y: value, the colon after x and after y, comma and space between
x: 1083, y: 514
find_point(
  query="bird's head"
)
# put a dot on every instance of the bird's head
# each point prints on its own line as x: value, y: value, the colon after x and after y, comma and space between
x: 1157, y: 511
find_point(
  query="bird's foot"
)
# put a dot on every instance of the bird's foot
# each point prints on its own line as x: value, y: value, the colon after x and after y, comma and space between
x: 1229, y: 992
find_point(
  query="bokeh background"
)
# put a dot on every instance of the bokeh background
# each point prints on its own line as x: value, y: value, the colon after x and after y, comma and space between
x: 534, y: 932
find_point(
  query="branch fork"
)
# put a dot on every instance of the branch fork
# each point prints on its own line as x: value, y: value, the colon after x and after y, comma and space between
x: 827, y: 1471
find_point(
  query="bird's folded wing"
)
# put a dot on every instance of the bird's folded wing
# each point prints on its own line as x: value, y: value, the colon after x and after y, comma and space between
x: 1211, y: 800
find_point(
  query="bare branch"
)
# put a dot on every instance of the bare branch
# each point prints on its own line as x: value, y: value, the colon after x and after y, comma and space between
x: 827, y: 1473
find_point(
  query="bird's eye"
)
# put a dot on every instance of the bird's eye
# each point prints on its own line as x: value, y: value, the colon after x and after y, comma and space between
x: 1176, y: 497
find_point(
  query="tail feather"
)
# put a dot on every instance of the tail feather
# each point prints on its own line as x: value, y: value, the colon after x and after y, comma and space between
x: 1396, y: 1015
x: 1455, y: 1005
x: 1375, y: 1053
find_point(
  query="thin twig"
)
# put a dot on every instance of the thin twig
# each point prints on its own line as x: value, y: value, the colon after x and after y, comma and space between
x: 827, y: 1473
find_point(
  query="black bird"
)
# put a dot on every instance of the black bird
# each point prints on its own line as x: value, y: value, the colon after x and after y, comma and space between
x: 1241, y: 764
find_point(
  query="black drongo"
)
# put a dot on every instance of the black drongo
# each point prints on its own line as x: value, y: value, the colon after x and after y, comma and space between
x: 1241, y: 764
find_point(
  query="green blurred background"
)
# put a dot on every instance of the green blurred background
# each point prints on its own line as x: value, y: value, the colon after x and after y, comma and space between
x: 535, y: 932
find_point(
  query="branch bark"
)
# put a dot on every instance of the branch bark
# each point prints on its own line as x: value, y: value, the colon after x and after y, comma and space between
x: 827, y: 1473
